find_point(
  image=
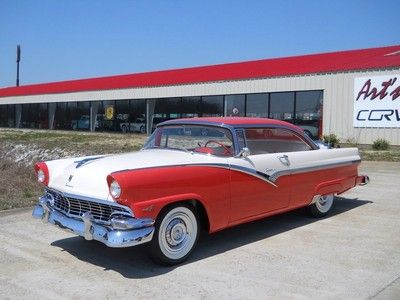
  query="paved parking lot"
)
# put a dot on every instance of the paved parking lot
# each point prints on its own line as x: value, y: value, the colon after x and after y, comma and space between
x: 354, y: 253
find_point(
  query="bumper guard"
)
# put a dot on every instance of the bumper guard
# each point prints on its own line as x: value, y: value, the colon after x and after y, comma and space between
x: 123, y: 231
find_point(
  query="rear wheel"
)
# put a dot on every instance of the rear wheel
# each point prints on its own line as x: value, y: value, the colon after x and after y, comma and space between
x: 124, y: 129
x: 322, y: 206
x: 176, y: 234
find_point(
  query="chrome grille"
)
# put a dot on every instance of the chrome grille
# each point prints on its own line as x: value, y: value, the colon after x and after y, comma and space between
x: 77, y: 207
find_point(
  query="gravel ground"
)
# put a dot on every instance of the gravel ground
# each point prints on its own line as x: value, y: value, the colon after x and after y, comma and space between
x: 352, y: 254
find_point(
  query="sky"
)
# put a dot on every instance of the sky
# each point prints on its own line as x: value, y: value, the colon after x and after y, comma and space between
x: 66, y: 39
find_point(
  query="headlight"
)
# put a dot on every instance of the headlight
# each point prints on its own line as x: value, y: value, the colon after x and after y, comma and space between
x: 41, y: 177
x: 115, y: 189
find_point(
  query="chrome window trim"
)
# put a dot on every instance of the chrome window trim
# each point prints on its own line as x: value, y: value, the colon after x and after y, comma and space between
x: 233, y: 128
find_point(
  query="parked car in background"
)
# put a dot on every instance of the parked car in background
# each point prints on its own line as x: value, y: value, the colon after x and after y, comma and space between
x: 138, y: 125
x: 82, y: 123
x: 192, y: 174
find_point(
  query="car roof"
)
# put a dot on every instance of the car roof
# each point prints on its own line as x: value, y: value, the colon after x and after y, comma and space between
x: 233, y: 121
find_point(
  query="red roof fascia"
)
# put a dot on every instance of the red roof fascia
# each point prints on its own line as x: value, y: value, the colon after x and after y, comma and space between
x: 364, y: 59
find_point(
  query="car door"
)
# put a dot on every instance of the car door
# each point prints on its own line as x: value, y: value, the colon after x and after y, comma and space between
x: 260, y: 182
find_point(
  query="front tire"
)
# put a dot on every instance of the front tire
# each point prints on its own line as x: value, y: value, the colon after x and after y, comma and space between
x: 176, y: 235
x: 321, y: 206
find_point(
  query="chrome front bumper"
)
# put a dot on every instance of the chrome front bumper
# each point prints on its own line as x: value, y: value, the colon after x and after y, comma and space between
x: 123, y: 230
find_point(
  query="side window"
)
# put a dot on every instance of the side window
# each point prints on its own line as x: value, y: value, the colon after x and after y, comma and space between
x: 274, y: 140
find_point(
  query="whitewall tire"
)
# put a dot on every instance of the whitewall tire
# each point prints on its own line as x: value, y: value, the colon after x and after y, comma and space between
x: 322, y: 206
x: 177, y: 232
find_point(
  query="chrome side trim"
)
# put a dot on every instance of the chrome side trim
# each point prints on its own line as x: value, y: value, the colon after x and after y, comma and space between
x: 271, y: 179
x: 274, y: 177
x: 241, y: 169
x: 86, y: 160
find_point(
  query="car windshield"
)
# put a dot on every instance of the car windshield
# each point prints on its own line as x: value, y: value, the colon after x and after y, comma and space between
x: 193, y: 138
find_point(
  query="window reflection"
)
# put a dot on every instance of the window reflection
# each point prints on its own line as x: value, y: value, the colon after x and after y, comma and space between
x: 7, y: 115
x: 257, y: 105
x: 213, y: 106
x: 282, y: 106
x: 34, y: 115
x: 309, y: 111
x: 234, y: 105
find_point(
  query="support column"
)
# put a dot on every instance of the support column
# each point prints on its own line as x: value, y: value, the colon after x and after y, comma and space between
x: 150, y: 105
x: 94, y: 107
x: 18, y: 112
x: 52, y: 113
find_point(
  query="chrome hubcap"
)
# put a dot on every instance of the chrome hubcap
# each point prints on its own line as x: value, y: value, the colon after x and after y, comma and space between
x: 177, y: 233
x: 324, y: 203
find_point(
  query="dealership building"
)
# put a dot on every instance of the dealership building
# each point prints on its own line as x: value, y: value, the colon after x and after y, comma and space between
x: 354, y: 94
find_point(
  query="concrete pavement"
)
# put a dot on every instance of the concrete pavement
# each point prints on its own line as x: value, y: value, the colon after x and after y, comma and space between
x: 354, y: 253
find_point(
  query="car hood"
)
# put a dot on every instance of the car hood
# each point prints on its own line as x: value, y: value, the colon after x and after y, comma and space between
x: 87, y: 176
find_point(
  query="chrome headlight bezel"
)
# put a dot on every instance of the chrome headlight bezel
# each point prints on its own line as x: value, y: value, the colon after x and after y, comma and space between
x: 115, y: 189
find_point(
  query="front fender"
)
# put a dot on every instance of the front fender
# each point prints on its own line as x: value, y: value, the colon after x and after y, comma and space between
x: 151, y: 208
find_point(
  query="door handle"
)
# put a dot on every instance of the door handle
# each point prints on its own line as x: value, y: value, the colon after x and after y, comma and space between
x: 284, y: 159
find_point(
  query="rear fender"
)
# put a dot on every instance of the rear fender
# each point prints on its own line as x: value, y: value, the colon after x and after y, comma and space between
x: 329, y: 187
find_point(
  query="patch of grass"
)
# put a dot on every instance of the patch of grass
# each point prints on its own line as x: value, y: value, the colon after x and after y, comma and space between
x: 389, y: 155
x: 18, y: 185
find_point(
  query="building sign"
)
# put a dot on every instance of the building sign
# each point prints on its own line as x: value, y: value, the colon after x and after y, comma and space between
x: 109, y: 112
x: 377, y: 101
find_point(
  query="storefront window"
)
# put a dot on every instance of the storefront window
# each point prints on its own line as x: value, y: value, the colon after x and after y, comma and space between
x: 257, y: 105
x: 79, y: 113
x: 34, y: 115
x: 7, y: 115
x: 309, y: 112
x: 167, y: 109
x: 212, y: 106
x: 234, y: 105
x: 191, y: 107
x: 61, y: 118
x: 282, y: 106
x: 137, y: 116
x: 106, y: 116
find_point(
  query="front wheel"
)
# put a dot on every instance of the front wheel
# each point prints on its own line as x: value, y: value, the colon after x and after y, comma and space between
x: 176, y: 234
x: 322, y: 206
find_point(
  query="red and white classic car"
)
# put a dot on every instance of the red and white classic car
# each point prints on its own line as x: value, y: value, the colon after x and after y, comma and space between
x: 209, y: 173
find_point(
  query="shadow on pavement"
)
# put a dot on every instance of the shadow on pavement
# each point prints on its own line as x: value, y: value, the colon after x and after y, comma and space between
x: 134, y: 263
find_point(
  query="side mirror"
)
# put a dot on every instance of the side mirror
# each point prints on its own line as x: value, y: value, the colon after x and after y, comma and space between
x: 244, y: 152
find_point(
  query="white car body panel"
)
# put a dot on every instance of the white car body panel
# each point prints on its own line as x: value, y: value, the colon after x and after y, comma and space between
x: 89, y: 178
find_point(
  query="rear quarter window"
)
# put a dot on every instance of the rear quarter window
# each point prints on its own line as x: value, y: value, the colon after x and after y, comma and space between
x: 274, y: 140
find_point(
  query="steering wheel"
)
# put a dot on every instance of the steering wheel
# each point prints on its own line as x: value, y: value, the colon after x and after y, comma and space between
x: 226, y: 150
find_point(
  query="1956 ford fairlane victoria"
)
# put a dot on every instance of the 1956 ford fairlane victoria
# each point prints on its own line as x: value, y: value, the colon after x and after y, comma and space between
x: 209, y: 173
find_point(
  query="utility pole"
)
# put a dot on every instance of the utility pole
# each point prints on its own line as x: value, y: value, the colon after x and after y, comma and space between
x: 18, y: 60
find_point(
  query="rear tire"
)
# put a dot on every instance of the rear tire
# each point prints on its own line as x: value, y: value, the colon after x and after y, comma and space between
x: 322, y: 206
x: 176, y: 235
x: 124, y: 129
